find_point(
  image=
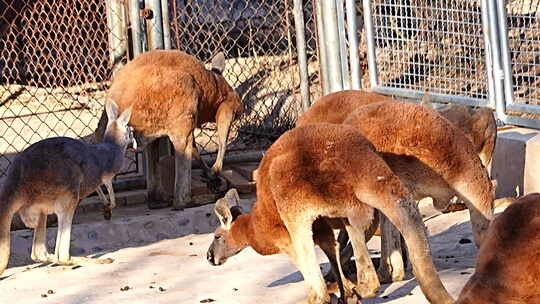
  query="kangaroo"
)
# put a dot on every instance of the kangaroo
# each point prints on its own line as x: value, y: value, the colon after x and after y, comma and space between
x: 331, y: 171
x: 420, y: 178
x: 478, y: 125
x: 52, y: 176
x: 507, y: 269
x: 172, y: 93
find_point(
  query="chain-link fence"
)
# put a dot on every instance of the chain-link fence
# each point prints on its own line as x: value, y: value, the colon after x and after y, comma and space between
x: 258, y: 40
x: 56, y: 62
x: 55, y: 68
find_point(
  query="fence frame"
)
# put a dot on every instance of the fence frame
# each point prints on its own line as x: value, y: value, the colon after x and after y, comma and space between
x: 500, y: 12
x: 408, y: 93
x: 499, y: 82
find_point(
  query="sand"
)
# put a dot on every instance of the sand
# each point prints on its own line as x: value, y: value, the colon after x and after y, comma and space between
x: 160, y: 256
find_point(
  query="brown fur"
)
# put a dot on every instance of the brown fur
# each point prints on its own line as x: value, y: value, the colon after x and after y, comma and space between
x: 335, y: 107
x: 422, y: 179
x: 440, y: 149
x: 440, y: 146
x: 507, y: 268
x: 172, y: 93
x: 323, y: 171
x: 478, y: 125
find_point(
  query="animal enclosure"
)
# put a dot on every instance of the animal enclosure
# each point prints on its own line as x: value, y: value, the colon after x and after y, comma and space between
x: 57, y: 59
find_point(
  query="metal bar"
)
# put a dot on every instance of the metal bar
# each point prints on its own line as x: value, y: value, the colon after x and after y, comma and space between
x: 323, y: 62
x: 331, y: 43
x: 522, y: 121
x: 498, y: 72
x: 523, y: 108
x: 135, y: 20
x: 345, y: 75
x: 352, y: 33
x: 154, y: 25
x: 488, y: 54
x: 370, y: 42
x: 117, y: 31
x: 435, y: 97
x: 166, y: 24
x: 299, y: 25
x: 506, y: 63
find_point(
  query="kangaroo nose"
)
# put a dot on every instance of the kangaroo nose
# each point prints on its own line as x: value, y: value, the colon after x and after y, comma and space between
x: 210, y: 258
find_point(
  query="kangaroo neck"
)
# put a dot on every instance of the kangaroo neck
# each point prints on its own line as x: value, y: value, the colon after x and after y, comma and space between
x: 242, y: 230
x: 111, y: 154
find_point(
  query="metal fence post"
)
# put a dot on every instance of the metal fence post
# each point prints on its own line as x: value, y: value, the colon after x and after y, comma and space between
x: 298, y: 11
x: 331, y: 43
x: 352, y: 34
x: 154, y: 25
x: 135, y: 21
x: 325, y: 78
x: 166, y: 24
x: 494, y: 53
x: 489, y: 53
x: 370, y: 42
x: 345, y: 75
x: 117, y: 32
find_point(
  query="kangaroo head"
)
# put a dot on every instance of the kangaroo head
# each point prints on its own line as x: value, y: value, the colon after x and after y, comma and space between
x: 229, y: 95
x: 117, y: 130
x: 224, y: 245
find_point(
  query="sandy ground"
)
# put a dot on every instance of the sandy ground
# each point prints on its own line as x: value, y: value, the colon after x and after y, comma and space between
x: 160, y: 256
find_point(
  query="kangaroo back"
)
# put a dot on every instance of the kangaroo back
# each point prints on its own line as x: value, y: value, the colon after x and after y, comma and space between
x: 414, y: 130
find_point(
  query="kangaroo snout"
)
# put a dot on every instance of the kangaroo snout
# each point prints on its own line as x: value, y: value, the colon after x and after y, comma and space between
x: 211, y: 259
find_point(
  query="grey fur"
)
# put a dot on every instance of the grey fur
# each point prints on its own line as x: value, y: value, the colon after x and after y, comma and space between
x: 51, y: 176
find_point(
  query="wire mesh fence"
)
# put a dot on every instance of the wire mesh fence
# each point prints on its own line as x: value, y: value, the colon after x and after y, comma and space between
x: 258, y: 40
x: 523, y: 21
x: 56, y: 66
x: 54, y: 71
x: 433, y: 45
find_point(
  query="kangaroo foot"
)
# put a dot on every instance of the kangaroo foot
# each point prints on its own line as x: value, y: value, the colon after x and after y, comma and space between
x: 349, y: 286
x: 83, y: 261
x: 42, y: 258
x: 107, y: 213
x: 214, y: 182
x: 367, y: 291
x: 156, y: 200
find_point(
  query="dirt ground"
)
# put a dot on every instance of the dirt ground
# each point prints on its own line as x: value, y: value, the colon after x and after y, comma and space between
x: 159, y: 257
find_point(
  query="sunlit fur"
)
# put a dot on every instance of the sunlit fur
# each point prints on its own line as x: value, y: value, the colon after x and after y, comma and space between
x: 172, y: 93
x: 328, y: 171
x: 507, y: 268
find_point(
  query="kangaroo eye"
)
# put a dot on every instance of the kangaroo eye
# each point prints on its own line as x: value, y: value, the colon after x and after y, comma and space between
x: 218, y: 237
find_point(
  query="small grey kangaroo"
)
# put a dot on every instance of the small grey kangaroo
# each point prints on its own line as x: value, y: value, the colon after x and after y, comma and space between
x: 52, y: 176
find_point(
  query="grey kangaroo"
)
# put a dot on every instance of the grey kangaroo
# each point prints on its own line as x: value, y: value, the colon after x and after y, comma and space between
x: 52, y: 176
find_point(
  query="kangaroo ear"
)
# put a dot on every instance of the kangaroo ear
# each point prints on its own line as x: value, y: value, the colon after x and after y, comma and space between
x: 223, y: 213
x: 494, y: 184
x: 124, y: 117
x: 218, y: 63
x: 112, y: 109
x: 236, y: 211
x: 426, y: 99
x: 232, y: 197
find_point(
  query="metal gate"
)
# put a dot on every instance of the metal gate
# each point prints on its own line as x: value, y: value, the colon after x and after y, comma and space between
x: 475, y: 52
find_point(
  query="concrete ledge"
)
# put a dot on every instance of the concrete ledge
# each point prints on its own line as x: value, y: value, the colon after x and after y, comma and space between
x: 515, y: 163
